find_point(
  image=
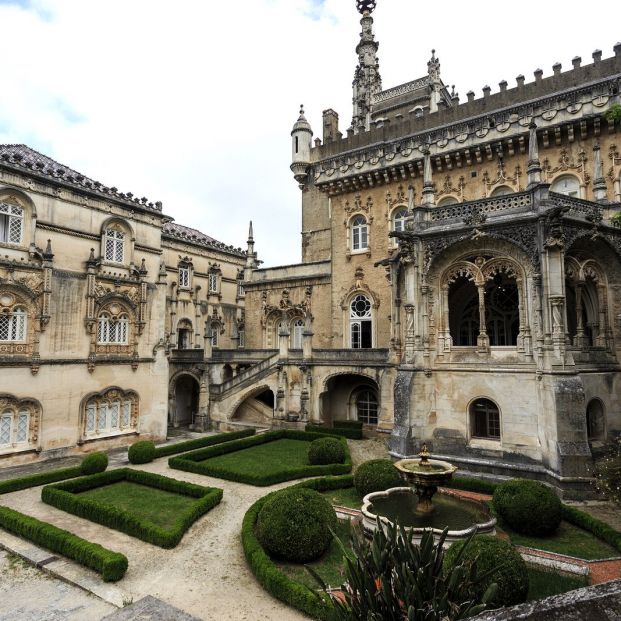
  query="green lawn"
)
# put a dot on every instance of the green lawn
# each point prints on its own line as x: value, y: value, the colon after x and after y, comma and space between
x: 568, y: 539
x: 345, y: 497
x: 544, y: 583
x: 269, y: 458
x: 148, y: 503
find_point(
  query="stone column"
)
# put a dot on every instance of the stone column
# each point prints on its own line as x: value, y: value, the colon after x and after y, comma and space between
x: 599, y: 183
x: 558, y: 330
x: 581, y: 340
x: 429, y: 197
x: 534, y: 166
x: 482, y: 339
x: 201, y: 422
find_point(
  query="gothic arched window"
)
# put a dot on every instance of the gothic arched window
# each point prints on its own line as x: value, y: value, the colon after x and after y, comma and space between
x: 13, y: 324
x: 114, y: 241
x: 296, y: 333
x: 501, y: 190
x: 484, y: 419
x: 110, y: 412
x: 398, y: 219
x: 360, y: 322
x: 113, y: 330
x: 566, y: 184
x: 359, y: 233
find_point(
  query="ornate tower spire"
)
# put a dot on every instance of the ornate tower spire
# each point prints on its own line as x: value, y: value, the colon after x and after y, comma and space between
x: 367, y: 81
x: 534, y: 166
x: 251, y: 255
x: 435, y: 84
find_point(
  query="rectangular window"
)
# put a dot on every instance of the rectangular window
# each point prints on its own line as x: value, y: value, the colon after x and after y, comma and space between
x: 184, y: 277
x: 91, y: 409
x: 5, y: 323
x: 241, y: 338
x: 11, y: 218
x: 21, y: 434
x: 126, y: 414
x: 102, y: 417
x: 214, y: 337
x: 114, y: 415
x: 5, y: 429
x: 213, y: 282
x: 240, y: 289
x: 355, y: 335
x: 114, y: 246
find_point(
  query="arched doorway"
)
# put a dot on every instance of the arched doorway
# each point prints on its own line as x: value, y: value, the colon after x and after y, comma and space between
x: 351, y: 397
x: 186, y: 400
x: 595, y: 421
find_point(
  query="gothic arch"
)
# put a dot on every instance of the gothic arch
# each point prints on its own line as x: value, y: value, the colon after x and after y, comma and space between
x: 16, y: 407
x: 107, y: 396
x: 249, y: 394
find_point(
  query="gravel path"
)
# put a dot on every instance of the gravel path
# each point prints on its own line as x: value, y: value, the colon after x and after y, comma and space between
x: 28, y: 594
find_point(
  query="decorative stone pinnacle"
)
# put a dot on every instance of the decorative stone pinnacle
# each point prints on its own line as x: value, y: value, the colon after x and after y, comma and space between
x: 366, y: 6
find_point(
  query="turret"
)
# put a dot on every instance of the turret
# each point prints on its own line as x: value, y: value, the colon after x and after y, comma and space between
x: 251, y: 255
x: 301, y: 136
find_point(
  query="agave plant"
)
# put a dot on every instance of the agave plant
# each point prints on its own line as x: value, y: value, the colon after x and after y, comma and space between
x: 393, y: 578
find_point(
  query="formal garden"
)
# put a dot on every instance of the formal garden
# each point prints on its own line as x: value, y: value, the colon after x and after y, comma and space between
x: 308, y: 541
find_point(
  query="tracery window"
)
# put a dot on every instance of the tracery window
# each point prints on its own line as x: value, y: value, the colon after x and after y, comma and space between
x: 366, y: 406
x: 213, y: 282
x: 360, y: 322
x: 359, y: 233
x: 11, y: 223
x: 184, y: 276
x: 13, y: 324
x: 566, y: 184
x: 296, y: 333
x: 113, y: 330
x: 398, y: 219
x: 13, y: 427
x: 114, y: 245
x: 485, y: 419
x: 112, y: 412
x: 19, y: 423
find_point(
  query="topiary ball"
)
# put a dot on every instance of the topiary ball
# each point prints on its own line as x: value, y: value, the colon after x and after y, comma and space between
x: 294, y: 525
x: 141, y: 452
x: 376, y: 476
x: 326, y: 451
x: 490, y: 553
x: 94, y: 463
x: 528, y: 507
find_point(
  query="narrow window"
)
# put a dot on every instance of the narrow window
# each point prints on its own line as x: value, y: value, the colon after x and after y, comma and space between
x: 91, y: 410
x: 398, y: 219
x: 114, y: 241
x: 6, y: 422
x: 184, y: 277
x: 361, y: 324
x: 126, y: 414
x: 213, y: 282
x: 298, y: 329
x: 11, y: 223
x: 241, y: 338
x: 102, y: 417
x: 115, y: 408
x: 214, y: 336
x: 21, y: 434
x: 359, y: 233
x: 485, y: 419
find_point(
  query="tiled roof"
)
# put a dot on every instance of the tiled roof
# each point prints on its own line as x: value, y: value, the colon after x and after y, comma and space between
x: 193, y: 236
x: 22, y: 157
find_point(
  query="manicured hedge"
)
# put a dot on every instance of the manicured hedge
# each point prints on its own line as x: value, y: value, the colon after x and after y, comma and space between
x: 196, y: 460
x: 593, y: 525
x: 94, y: 463
x: 191, y: 445
x: 325, y: 451
x: 343, y: 432
x: 141, y: 452
x: 347, y: 424
x: 273, y: 580
x: 65, y: 496
x: 42, y: 478
x: 473, y: 485
x: 111, y: 565
x: 376, y: 475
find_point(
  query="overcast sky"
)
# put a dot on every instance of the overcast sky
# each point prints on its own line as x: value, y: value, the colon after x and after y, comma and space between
x: 192, y: 102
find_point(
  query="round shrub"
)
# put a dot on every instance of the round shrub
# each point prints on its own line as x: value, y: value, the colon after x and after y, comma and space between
x: 141, y: 452
x: 94, y: 463
x: 376, y: 476
x: 326, y: 451
x: 294, y: 525
x: 509, y: 569
x: 528, y: 507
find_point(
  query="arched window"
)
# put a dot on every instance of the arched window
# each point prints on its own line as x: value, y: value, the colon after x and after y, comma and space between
x: 359, y: 233
x: 112, y: 330
x: 14, y: 427
x: 366, y: 406
x: 595, y: 419
x: 114, y: 242
x: 13, y: 325
x: 501, y: 190
x: 361, y: 322
x: 447, y: 200
x: 184, y: 275
x: 184, y: 334
x: 502, y: 310
x: 11, y: 223
x: 296, y: 334
x: 398, y: 219
x: 112, y: 412
x: 464, y: 316
x: 484, y: 420
x: 566, y: 184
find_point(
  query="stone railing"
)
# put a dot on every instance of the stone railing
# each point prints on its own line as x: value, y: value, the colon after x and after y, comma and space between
x: 252, y: 373
x: 187, y: 355
x: 520, y: 201
x: 348, y: 356
x: 578, y: 207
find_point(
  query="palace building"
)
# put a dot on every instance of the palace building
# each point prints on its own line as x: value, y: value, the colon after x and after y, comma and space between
x: 460, y: 286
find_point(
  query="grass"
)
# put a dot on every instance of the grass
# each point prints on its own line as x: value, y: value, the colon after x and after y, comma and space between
x: 568, y: 539
x: 345, y: 497
x: 544, y: 583
x: 270, y: 458
x: 330, y: 566
x: 159, y: 507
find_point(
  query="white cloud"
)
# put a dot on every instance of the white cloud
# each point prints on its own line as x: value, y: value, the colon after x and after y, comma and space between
x: 192, y: 103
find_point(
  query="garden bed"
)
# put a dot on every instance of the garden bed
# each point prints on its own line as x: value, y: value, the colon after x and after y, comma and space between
x: 151, y: 507
x: 261, y: 460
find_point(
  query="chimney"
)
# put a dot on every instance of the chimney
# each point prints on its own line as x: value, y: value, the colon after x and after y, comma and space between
x: 486, y: 91
x: 503, y: 86
x: 538, y: 75
x: 597, y: 56
x: 330, y: 125
x: 520, y: 80
x: 556, y: 67
x: 575, y: 61
x: 470, y: 95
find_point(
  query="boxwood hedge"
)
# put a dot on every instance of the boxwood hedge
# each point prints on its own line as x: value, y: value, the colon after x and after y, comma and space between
x: 272, y: 579
x: 343, y: 432
x: 191, y: 445
x: 41, y: 478
x: 111, y: 565
x: 197, y: 461
x: 65, y: 496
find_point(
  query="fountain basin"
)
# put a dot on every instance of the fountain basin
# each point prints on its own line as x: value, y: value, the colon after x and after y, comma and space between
x: 463, y: 517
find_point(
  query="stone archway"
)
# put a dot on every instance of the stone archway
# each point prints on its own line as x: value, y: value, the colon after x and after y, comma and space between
x: 256, y: 408
x: 186, y: 395
x: 350, y: 396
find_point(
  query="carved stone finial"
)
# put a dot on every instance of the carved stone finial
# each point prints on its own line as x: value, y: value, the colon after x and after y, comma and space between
x: 366, y: 6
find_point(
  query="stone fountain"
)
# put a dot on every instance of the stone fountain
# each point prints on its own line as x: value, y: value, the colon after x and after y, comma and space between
x: 420, y: 507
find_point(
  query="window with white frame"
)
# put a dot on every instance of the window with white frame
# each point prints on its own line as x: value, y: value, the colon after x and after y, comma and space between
x: 398, y: 219
x: 11, y: 223
x: 360, y: 322
x: 298, y: 330
x: 114, y: 246
x: 240, y: 288
x: 213, y: 282
x: 13, y: 325
x: 113, y: 331
x: 359, y: 234
x: 104, y: 416
x: 566, y: 184
x: 14, y: 427
x: 184, y: 276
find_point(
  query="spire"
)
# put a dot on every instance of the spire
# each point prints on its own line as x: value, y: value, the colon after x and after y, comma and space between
x: 599, y: 183
x: 251, y: 255
x: 435, y: 84
x: 301, y: 136
x: 429, y: 197
x: 367, y: 81
x: 534, y: 166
